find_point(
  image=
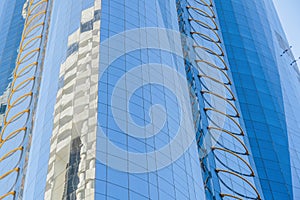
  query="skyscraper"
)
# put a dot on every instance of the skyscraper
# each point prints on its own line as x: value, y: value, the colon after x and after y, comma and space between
x: 138, y: 99
x: 267, y: 84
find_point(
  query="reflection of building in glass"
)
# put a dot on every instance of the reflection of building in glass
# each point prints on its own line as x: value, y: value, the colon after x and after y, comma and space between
x: 137, y: 99
x: 71, y: 172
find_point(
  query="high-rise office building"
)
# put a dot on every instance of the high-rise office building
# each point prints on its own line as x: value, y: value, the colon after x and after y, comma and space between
x: 139, y: 99
x: 267, y: 85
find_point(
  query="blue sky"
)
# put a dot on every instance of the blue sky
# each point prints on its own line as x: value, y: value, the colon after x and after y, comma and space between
x: 289, y: 14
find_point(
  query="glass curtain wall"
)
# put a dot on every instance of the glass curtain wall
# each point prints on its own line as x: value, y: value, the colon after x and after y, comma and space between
x: 267, y: 84
x: 86, y: 97
x: 144, y: 115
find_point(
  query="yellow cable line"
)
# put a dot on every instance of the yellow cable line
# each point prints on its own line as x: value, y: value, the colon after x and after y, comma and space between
x: 209, y: 91
x: 29, y: 48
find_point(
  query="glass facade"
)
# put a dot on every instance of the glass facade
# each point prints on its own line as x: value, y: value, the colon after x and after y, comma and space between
x: 28, y: 29
x: 224, y: 156
x: 11, y: 26
x: 138, y: 153
x: 139, y: 99
x: 266, y: 84
x: 11, y: 22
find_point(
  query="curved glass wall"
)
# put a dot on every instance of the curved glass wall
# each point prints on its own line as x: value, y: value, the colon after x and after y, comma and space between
x: 136, y: 99
x: 226, y: 161
x: 144, y: 117
x: 267, y: 87
x: 80, y: 108
x: 289, y: 79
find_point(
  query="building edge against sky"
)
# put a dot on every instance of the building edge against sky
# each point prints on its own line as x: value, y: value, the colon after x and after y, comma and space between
x: 268, y: 89
x: 91, y: 121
